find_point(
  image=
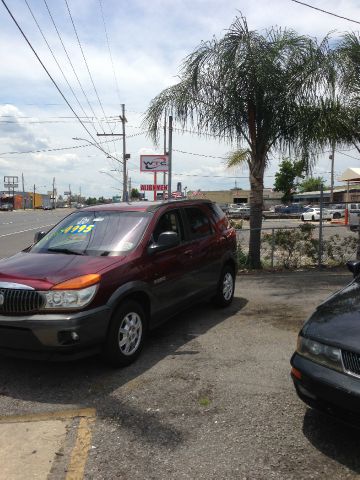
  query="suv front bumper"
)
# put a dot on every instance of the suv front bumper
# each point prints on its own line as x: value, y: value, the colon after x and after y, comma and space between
x: 54, y: 336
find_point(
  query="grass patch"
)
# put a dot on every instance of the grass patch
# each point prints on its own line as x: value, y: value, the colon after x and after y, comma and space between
x: 204, y: 402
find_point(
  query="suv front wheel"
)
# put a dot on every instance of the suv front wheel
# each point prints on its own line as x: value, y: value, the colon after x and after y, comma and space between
x: 226, y: 287
x: 126, y: 334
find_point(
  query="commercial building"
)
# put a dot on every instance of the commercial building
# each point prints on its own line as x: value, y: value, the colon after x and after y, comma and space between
x: 25, y: 200
x: 236, y: 195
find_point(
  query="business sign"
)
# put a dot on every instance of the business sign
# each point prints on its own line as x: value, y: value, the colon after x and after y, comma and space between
x: 154, y: 163
x: 153, y: 187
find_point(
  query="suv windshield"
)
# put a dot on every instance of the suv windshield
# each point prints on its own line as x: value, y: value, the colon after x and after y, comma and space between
x: 95, y: 233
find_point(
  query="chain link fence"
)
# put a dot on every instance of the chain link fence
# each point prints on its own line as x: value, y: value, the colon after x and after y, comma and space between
x: 302, y: 246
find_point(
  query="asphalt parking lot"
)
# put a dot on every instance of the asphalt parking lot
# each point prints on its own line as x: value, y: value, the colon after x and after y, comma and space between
x: 210, y: 398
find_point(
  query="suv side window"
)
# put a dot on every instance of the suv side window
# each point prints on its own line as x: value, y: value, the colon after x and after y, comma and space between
x: 169, y: 222
x: 219, y: 215
x: 199, y: 223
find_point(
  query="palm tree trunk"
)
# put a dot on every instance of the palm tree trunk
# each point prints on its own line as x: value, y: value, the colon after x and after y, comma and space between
x: 256, y: 207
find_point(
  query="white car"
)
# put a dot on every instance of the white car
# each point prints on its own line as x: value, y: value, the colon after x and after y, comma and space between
x: 337, y: 211
x: 314, y: 214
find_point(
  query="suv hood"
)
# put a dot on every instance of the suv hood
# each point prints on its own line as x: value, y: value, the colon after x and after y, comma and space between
x: 337, y: 320
x: 44, y: 270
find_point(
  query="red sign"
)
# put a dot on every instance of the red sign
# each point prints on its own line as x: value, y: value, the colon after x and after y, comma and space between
x: 153, y: 187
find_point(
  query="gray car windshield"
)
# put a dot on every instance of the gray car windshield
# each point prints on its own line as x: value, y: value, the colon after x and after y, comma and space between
x: 95, y: 234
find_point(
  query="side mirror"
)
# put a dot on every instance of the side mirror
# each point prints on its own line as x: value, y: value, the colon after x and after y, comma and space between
x: 354, y: 267
x: 166, y: 240
x: 38, y: 236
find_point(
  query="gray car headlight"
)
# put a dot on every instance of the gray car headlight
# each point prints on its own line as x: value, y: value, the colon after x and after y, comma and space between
x: 320, y: 353
x: 68, y: 299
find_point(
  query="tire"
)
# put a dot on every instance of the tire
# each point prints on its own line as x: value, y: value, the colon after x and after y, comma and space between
x: 226, y: 287
x: 337, y: 215
x: 126, y: 334
x: 302, y: 218
x: 313, y: 218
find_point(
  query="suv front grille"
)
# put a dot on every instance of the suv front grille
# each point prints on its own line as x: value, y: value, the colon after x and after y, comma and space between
x: 351, y: 362
x: 20, y: 301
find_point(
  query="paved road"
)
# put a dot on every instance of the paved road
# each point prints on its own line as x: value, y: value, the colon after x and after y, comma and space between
x: 210, y: 398
x: 17, y: 228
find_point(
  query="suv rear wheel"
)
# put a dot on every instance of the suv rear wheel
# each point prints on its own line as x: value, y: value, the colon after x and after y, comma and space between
x: 226, y: 287
x: 126, y: 334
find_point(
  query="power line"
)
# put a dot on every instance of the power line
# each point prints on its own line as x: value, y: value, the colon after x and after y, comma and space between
x: 85, y: 61
x: 88, y: 69
x: 200, y: 154
x: 55, y: 59
x: 111, y: 58
x: 346, y: 154
x: 54, y: 149
x: 325, y: 11
x: 69, y: 59
x: 46, y: 70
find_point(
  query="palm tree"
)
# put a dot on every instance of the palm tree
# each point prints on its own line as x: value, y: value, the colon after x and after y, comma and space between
x: 259, y: 91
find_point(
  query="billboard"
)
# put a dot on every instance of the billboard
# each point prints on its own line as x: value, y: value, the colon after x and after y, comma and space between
x: 154, y: 163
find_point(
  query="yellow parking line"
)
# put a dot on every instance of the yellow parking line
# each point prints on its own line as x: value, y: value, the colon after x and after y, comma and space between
x: 39, y: 417
x: 79, y: 453
x: 76, y: 467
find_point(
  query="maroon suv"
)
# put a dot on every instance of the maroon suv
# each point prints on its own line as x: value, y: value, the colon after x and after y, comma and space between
x: 104, y: 275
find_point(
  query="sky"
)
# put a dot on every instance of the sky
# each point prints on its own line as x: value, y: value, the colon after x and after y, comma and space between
x: 133, y: 49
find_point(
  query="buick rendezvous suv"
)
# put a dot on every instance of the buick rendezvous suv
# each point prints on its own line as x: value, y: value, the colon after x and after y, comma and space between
x: 105, y: 275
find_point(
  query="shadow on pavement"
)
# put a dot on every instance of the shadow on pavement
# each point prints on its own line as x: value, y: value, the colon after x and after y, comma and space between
x: 333, y: 438
x: 91, y: 383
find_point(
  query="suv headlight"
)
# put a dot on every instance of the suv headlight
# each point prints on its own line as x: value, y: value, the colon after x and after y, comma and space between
x: 320, y: 353
x: 72, y: 294
x: 69, y: 299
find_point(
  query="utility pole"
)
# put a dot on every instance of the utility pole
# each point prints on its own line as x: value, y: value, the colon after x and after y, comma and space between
x: 170, y: 156
x: 332, y: 158
x: 165, y: 128
x: 23, y: 191
x: 123, y: 120
x: 129, y: 188
x: 69, y: 196
x: 34, y: 198
x: 125, y: 156
x: 53, y: 193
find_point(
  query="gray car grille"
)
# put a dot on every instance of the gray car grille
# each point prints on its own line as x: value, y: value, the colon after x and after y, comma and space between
x: 19, y: 302
x: 351, y: 362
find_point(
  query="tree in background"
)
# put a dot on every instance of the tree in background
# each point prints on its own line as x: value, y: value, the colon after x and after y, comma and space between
x: 312, y: 184
x: 135, y: 194
x: 285, y: 178
x: 263, y: 92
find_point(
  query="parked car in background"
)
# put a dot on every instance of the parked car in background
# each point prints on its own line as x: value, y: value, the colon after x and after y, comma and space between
x: 239, y: 211
x: 289, y: 209
x: 105, y: 275
x: 6, y: 207
x: 337, y: 211
x: 326, y: 363
x: 313, y: 214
